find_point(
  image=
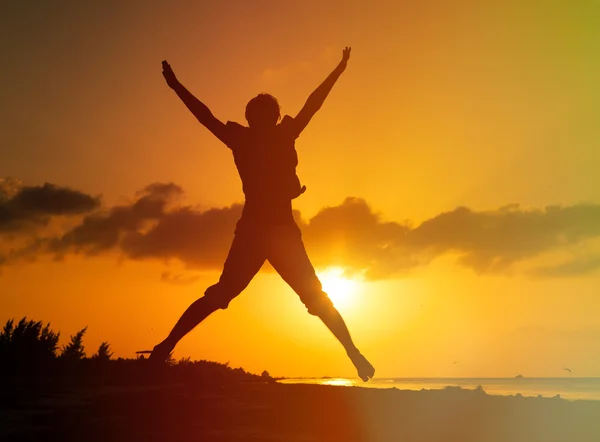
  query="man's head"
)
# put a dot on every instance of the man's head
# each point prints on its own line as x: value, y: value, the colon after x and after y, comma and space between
x: 263, y: 111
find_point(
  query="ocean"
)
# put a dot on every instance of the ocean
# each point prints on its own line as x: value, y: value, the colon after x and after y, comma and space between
x: 566, y: 388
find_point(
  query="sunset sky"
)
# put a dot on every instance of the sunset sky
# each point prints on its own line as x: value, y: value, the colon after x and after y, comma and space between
x: 453, y: 177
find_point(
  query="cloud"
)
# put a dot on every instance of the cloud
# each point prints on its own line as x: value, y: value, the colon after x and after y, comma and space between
x: 179, y: 278
x: 153, y: 226
x: 25, y: 207
x: 485, y: 241
x: 575, y: 267
x: 156, y: 225
x: 492, y: 241
x: 353, y: 236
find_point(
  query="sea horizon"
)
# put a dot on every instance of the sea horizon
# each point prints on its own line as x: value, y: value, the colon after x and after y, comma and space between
x: 570, y: 388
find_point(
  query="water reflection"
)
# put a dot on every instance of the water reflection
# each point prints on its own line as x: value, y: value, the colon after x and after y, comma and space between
x: 341, y: 382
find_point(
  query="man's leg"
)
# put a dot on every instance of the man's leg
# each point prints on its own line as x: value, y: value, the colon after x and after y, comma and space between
x: 244, y: 260
x: 287, y: 255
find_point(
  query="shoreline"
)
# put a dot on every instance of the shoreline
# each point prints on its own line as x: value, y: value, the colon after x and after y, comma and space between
x: 194, y: 408
x: 571, y: 389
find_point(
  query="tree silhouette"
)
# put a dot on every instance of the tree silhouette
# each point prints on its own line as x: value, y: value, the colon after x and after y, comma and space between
x: 103, y: 354
x: 74, y: 350
x: 27, y: 346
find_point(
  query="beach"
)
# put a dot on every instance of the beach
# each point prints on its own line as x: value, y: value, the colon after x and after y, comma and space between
x: 247, y: 408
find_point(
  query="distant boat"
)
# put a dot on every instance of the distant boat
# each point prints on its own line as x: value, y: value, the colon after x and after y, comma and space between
x: 519, y: 376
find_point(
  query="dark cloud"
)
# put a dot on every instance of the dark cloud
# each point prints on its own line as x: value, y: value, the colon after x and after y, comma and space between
x: 152, y: 227
x: 485, y: 241
x: 24, y: 207
x: 492, y: 241
x: 155, y: 225
x: 106, y: 230
x: 352, y: 236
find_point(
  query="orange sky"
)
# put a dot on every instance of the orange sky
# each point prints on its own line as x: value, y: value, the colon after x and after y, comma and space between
x: 443, y: 105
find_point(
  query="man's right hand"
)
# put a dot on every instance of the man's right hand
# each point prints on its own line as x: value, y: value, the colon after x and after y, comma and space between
x: 169, y: 75
x: 346, y: 54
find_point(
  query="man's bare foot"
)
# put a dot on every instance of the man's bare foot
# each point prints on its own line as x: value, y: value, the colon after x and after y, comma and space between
x: 161, y: 353
x: 365, y: 370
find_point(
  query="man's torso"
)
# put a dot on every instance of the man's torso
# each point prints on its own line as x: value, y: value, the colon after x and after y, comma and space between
x: 266, y: 161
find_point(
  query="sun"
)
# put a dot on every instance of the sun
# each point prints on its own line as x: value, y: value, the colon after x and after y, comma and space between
x: 340, y: 289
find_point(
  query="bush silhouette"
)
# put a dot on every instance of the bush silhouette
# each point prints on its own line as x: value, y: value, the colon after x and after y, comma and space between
x: 74, y: 350
x: 27, y: 346
x: 103, y: 354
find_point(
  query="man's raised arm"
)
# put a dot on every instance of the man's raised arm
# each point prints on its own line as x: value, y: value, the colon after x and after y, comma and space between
x: 317, y: 98
x: 196, y: 107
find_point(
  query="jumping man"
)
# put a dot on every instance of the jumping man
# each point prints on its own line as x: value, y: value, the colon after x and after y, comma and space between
x: 266, y: 159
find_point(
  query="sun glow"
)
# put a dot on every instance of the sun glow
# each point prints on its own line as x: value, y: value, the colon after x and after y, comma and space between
x: 340, y: 289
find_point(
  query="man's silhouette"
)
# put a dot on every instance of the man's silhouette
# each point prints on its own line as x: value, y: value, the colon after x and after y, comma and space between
x: 266, y: 160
